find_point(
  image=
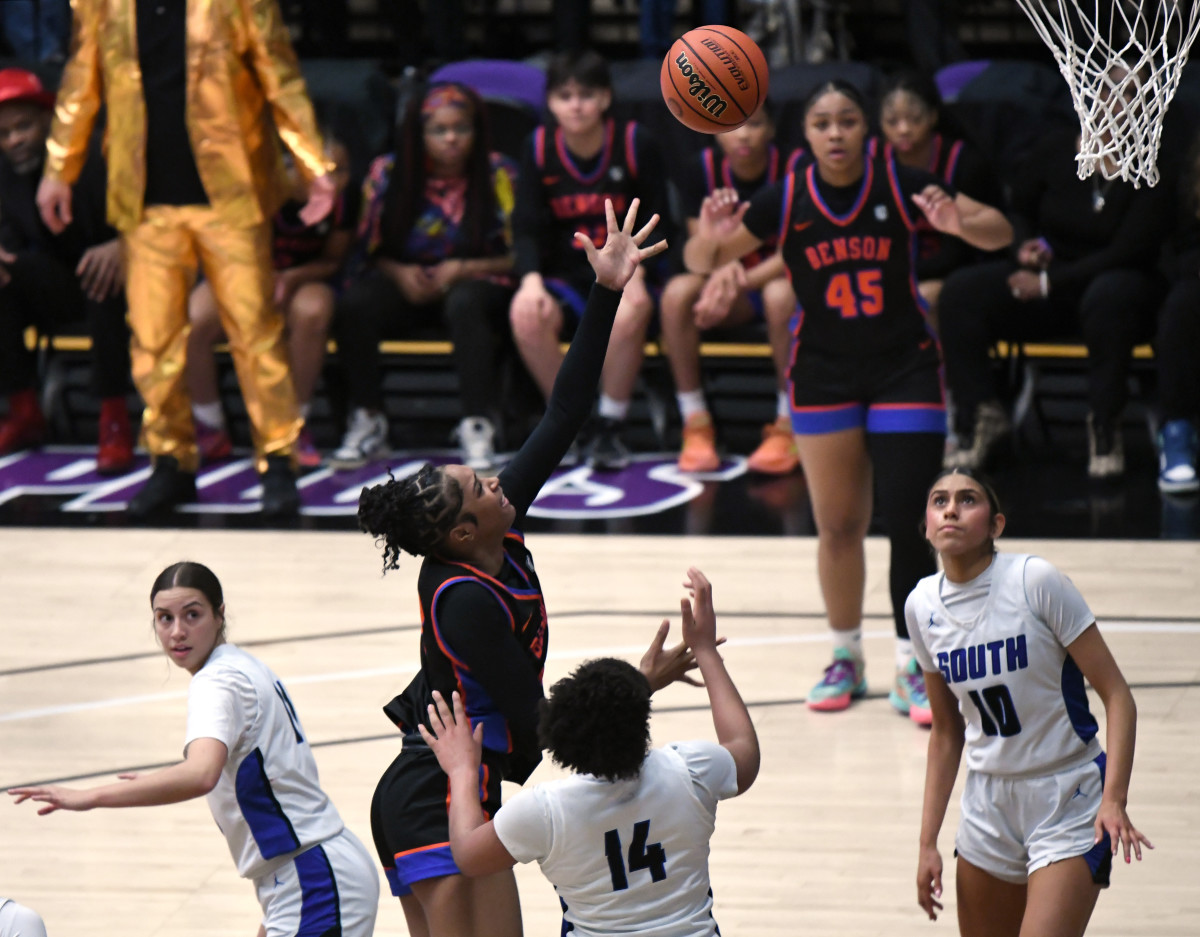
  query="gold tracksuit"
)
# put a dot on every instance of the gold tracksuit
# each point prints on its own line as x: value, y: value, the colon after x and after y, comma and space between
x: 239, y: 63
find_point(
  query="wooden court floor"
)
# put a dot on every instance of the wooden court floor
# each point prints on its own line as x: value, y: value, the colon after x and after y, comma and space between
x: 824, y: 843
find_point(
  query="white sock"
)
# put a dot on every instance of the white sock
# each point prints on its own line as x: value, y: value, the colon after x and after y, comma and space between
x: 209, y: 414
x: 850, y: 640
x: 783, y: 406
x: 303, y: 408
x: 613, y: 409
x: 904, y: 652
x: 691, y: 402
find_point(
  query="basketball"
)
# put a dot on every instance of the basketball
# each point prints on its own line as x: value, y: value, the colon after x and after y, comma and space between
x: 714, y: 78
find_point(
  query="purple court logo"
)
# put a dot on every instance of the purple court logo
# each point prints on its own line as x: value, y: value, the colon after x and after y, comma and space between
x: 650, y: 485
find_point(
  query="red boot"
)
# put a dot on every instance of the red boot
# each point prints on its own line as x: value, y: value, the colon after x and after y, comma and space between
x: 25, y: 427
x: 114, y: 455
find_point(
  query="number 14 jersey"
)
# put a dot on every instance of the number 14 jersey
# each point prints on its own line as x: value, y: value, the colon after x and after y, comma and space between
x: 1020, y: 692
x: 627, y: 857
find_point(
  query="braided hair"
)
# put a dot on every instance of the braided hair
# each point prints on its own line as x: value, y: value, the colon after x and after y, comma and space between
x: 413, y: 514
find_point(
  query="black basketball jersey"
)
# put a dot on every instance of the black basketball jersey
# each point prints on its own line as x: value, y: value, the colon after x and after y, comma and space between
x: 519, y: 594
x: 576, y: 198
x: 943, y: 162
x: 854, y: 272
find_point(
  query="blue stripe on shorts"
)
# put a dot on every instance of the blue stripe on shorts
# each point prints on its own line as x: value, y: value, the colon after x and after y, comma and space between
x: 811, y: 421
x: 906, y: 418
x: 431, y: 862
x: 1099, y: 857
x: 320, y: 911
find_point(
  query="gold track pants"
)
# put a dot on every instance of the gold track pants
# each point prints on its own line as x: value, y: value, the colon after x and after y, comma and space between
x: 163, y: 253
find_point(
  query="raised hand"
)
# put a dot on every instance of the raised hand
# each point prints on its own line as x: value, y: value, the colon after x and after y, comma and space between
x: 616, y: 261
x: 940, y: 209
x: 699, y: 618
x: 663, y: 667
x: 720, y: 214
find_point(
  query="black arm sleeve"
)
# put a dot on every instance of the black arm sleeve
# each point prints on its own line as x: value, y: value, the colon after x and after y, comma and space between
x: 474, y: 625
x: 530, y: 215
x: 569, y: 404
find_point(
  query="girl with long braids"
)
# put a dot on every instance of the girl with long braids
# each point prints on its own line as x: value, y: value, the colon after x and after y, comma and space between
x: 483, y: 629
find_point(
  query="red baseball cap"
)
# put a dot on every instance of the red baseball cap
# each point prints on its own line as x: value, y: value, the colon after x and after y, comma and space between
x: 16, y: 84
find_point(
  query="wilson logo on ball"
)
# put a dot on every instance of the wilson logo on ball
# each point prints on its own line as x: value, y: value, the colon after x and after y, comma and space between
x: 698, y: 88
x: 714, y: 78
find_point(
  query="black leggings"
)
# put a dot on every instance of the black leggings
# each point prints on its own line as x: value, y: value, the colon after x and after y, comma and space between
x: 904, y: 466
x: 45, y: 293
x: 475, y: 312
x: 1177, y: 350
x: 1114, y: 311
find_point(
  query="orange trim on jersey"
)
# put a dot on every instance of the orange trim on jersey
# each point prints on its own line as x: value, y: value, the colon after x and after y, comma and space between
x: 411, y: 852
x: 630, y: 149
x: 539, y: 147
x: 564, y: 155
x: 842, y: 220
x: 898, y: 195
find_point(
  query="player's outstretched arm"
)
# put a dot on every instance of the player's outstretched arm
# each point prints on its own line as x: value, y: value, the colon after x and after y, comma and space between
x: 735, y: 730
x: 476, y: 848
x: 1090, y: 652
x: 193, y: 777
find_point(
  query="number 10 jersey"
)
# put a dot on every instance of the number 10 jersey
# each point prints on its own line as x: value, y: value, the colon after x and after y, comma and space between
x: 1020, y: 692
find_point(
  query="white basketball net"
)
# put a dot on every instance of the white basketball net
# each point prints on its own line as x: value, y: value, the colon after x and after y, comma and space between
x: 1122, y: 60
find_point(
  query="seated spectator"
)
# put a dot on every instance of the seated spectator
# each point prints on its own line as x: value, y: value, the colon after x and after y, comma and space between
x: 910, y: 115
x: 1085, y: 262
x: 308, y: 261
x: 1177, y: 344
x: 569, y: 167
x: 754, y: 288
x: 436, y: 230
x: 50, y: 280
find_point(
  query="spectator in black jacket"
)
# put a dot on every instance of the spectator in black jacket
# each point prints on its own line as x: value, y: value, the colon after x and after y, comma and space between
x: 1085, y: 264
x: 49, y: 281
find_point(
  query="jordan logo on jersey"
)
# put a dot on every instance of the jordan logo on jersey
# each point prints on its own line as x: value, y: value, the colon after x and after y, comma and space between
x: 836, y: 250
x: 881, y: 213
x: 977, y: 661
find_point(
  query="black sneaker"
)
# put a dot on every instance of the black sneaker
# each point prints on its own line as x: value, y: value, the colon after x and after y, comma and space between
x: 608, y: 452
x: 280, y: 497
x: 167, y: 486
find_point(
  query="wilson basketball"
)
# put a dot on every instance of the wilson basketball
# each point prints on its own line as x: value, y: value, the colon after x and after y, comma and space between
x: 714, y: 78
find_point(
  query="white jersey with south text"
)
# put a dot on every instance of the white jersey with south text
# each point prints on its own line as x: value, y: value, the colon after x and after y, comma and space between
x: 268, y: 802
x: 1021, y: 694
x: 627, y: 857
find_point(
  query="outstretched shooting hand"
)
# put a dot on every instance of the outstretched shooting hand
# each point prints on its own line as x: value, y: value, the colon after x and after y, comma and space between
x: 622, y: 252
x: 699, y: 617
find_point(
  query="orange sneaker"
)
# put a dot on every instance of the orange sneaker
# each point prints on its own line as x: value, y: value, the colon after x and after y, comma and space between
x: 699, y: 453
x: 776, y: 454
